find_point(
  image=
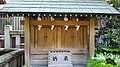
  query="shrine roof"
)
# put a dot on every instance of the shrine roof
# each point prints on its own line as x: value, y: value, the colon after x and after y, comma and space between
x: 59, y: 6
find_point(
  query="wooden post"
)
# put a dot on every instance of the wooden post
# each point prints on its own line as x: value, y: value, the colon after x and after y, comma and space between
x: 91, y: 37
x: 7, y: 36
x: 27, y: 41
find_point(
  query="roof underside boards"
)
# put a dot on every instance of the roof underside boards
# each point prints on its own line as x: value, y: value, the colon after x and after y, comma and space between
x: 59, y: 6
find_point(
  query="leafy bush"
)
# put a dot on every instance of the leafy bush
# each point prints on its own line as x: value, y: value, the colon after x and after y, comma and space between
x: 108, y: 33
x: 95, y: 63
x: 104, y: 60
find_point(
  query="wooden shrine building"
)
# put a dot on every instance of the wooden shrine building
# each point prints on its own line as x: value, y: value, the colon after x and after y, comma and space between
x: 58, y: 25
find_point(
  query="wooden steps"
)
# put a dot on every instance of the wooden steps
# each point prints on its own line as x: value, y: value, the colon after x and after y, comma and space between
x: 78, y: 61
x: 39, y: 58
x: 44, y: 64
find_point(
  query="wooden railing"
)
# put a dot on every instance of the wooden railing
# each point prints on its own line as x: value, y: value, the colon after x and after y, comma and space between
x: 13, y: 58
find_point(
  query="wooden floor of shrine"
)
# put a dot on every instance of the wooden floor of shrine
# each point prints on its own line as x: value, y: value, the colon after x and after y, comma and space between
x: 79, y: 59
x: 44, y: 64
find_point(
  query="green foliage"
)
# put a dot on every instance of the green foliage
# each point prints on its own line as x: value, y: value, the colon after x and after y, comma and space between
x: 111, y: 49
x: 95, y: 63
x: 110, y: 32
x: 116, y: 3
x: 104, y: 60
x: 109, y: 65
x: 107, y: 41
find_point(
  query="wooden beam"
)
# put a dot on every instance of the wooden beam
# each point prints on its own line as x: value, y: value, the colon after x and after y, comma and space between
x: 35, y: 22
x: 91, y: 36
x: 27, y: 41
x: 44, y: 51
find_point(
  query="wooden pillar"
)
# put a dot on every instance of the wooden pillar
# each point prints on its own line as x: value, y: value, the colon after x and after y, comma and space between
x: 91, y: 37
x: 27, y: 41
x: 7, y: 36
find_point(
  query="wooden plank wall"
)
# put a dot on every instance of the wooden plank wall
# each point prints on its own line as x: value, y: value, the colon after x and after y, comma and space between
x: 46, y: 39
x: 72, y: 38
